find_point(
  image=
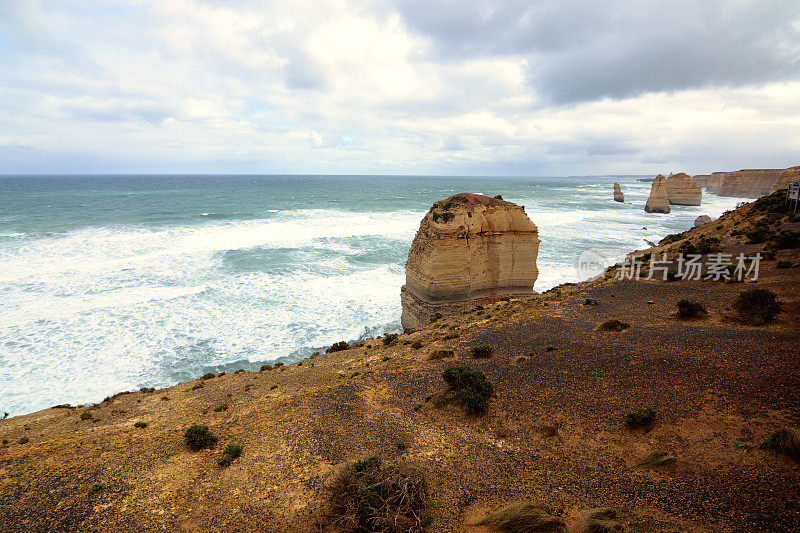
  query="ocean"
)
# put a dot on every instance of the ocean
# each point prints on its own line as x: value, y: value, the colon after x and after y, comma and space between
x: 112, y: 283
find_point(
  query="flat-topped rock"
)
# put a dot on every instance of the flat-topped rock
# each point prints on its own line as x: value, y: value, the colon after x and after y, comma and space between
x: 618, y: 196
x: 683, y: 190
x: 468, y: 246
x: 658, y: 202
x: 702, y: 219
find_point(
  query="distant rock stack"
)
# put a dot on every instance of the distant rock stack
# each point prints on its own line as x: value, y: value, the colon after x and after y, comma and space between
x: 790, y: 175
x: 618, y: 196
x: 468, y: 246
x: 683, y: 190
x: 659, y: 200
x: 702, y: 219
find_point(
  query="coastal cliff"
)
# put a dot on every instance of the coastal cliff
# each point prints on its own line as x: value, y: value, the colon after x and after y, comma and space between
x: 468, y: 246
x: 658, y: 202
x: 750, y: 183
x: 790, y: 175
x: 683, y: 190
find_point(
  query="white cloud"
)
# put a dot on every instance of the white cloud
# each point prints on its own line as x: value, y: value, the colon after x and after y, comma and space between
x: 361, y: 87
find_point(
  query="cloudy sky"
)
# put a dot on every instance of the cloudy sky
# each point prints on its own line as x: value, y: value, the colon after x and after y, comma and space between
x: 517, y: 87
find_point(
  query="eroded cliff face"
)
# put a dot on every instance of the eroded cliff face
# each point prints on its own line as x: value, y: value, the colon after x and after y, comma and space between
x: 748, y: 183
x: 683, y: 190
x: 658, y: 202
x: 618, y: 196
x: 790, y: 175
x: 468, y: 246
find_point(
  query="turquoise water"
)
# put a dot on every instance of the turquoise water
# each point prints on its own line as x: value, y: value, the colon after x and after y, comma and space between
x: 113, y: 283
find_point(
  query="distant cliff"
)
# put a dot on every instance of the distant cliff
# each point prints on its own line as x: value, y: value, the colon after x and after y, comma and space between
x: 750, y: 183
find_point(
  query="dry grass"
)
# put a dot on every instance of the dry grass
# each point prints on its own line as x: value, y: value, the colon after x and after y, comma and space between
x: 654, y: 459
x: 524, y: 517
x: 785, y: 440
x: 599, y: 521
x: 370, y: 496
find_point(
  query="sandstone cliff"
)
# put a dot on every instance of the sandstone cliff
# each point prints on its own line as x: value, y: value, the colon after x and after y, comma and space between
x: 741, y: 183
x: 790, y: 175
x: 618, y: 196
x: 468, y: 246
x: 683, y: 190
x: 701, y: 179
x: 659, y: 199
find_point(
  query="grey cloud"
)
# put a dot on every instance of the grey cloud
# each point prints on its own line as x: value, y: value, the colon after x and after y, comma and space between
x: 582, y: 51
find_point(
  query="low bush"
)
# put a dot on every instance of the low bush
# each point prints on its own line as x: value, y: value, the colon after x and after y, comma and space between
x: 229, y: 454
x: 86, y: 415
x: 772, y: 203
x: 550, y: 349
x: 784, y: 264
x: 451, y: 336
x: 613, y: 325
x: 62, y: 406
x: 198, y: 386
x: 524, y: 517
x: 140, y: 425
x: 691, y: 309
x: 441, y: 354
x: 221, y: 407
x: 482, y: 352
x: 96, y: 489
x: 590, y: 301
x: 198, y: 437
x: 757, y: 306
x: 466, y: 387
x: 785, y: 441
x: 416, y: 345
x: 640, y: 418
x: 601, y: 520
x: 209, y: 375
x: 23, y: 440
x: 788, y: 239
x: 390, y: 339
x: 147, y: 390
x: 654, y: 459
x: 265, y: 368
x: 336, y: 347
x: 672, y: 237
x: 368, y: 496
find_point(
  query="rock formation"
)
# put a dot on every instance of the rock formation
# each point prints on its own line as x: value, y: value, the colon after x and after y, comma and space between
x: 618, y: 196
x: 682, y: 190
x: 468, y: 246
x: 790, y: 175
x: 748, y: 183
x: 659, y: 200
x: 702, y: 219
x: 701, y: 179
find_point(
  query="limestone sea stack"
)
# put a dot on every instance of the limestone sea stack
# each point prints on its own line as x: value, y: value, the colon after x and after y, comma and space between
x: 468, y: 246
x: 683, y: 190
x: 659, y: 200
x: 618, y: 196
x: 790, y: 175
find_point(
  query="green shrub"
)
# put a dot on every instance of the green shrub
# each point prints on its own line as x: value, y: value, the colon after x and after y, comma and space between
x: 451, y: 336
x: 265, y: 368
x: 467, y: 387
x: 524, y: 517
x: 691, y: 309
x: 390, y: 339
x: 441, y: 354
x: 368, y: 496
x: 672, y: 237
x: 95, y: 489
x: 198, y: 386
x: 147, y: 390
x: 786, y: 441
x: 482, y: 352
x: 613, y: 325
x: 550, y: 349
x: 273, y: 387
x: 590, y: 301
x: 221, y: 407
x: 757, y: 306
x: 336, y: 347
x: 640, y: 418
x: 788, y: 239
x: 198, y: 437
x: 784, y: 264
x: 86, y: 415
x: 229, y: 454
x: 62, y: 406
x: 435, y: 317
x: 416, y: 345
x: 141, y: 425
x: 773, y: 203
x: 23, y: 440
x: 208, y: 375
